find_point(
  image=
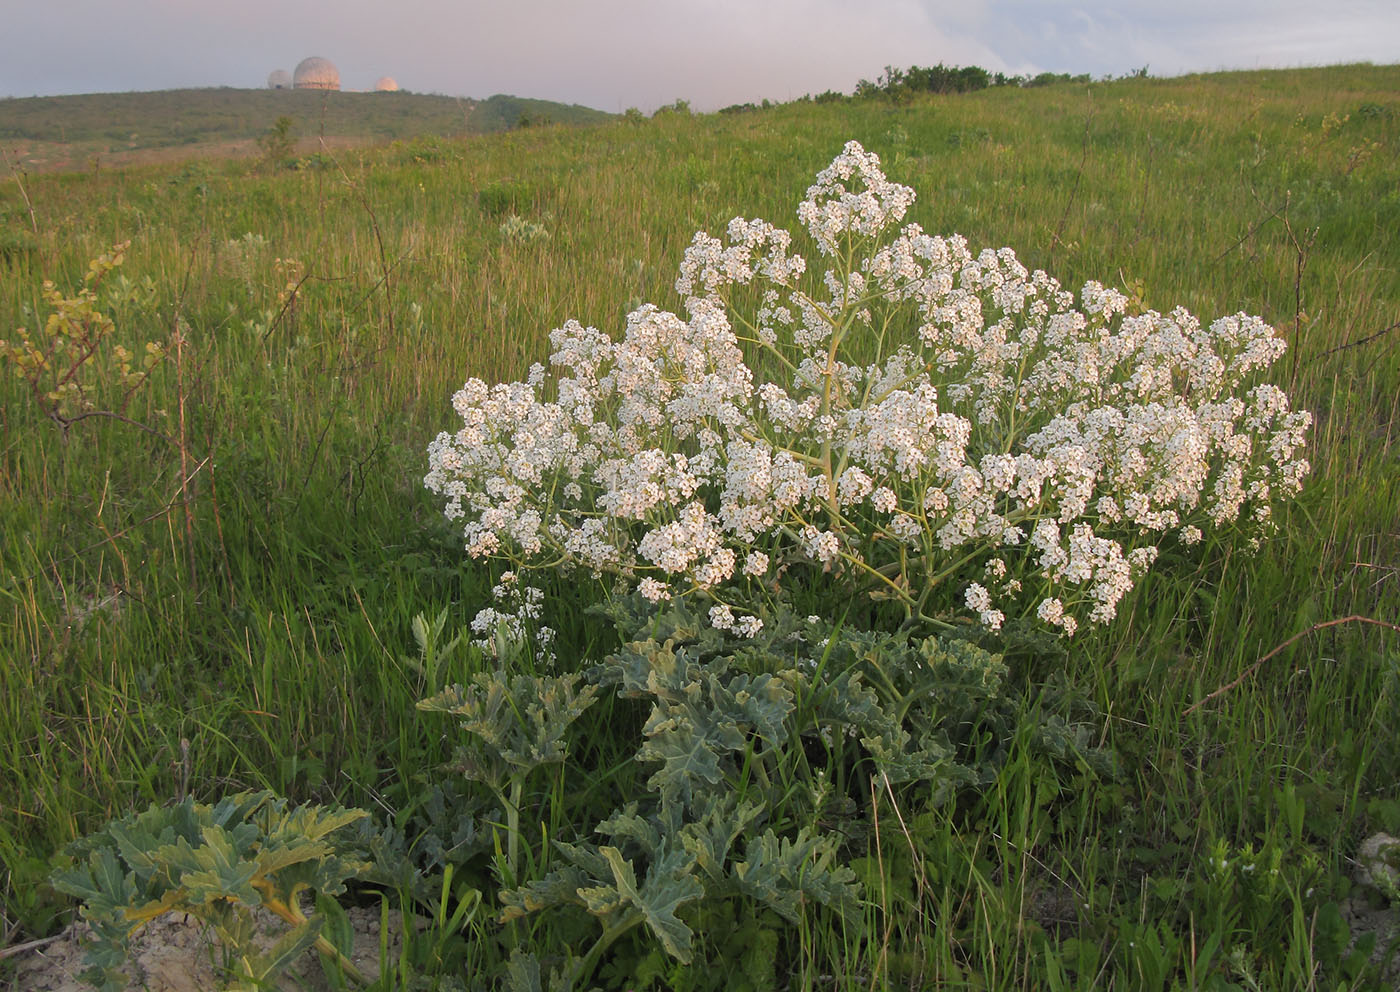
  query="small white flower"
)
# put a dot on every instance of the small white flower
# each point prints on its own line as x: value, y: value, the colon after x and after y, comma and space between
x: 721, y: 617
x: 748, y: 626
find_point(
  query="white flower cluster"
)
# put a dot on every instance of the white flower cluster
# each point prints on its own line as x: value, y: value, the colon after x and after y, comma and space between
x: 516, y: 622
x: 1002, y: 448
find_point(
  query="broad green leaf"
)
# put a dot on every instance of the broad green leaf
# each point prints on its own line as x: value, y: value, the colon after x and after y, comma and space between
x: 625, y: 824
x: 668, y: 885
x: 601, y: 900
x: 523, y: 973
x: 146, y: 912
x: 763, y: 703
x: 685, y: 758
x: 520, y: 721
x: 585, y: 857
x: 709, y: 840
x: 102, y: 877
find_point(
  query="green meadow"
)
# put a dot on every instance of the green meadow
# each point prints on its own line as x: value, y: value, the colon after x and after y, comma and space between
x: 209, y: 584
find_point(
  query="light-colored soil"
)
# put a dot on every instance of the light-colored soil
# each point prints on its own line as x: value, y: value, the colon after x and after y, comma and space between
x: 176, y: 954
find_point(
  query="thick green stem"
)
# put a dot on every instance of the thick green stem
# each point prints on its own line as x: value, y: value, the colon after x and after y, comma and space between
x: 604, y: 941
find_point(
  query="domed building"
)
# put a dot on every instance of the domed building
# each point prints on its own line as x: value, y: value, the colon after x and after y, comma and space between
x: 279, y: 79
x: 316, y: 74
x: 385, y: 84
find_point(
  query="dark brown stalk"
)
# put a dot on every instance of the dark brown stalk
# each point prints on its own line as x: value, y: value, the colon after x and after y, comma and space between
x: 1357, y: 344
x: 1354, y: 618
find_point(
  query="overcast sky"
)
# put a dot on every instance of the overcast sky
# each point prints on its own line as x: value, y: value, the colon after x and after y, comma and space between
x: 614, y: 54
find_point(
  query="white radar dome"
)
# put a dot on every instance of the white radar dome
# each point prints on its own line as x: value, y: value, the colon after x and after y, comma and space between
x: 316, y: 74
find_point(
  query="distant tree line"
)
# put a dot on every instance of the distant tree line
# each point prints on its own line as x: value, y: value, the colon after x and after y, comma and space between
x: 940, y: 78
x: 901, y: 84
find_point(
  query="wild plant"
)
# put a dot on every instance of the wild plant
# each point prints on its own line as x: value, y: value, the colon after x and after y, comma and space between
x: 932, y: 428
x: 71, y: 363
x: 752, y: 756
x: 521, y: 231
x: 924, y: 440
x: 279, y: 141
x: 517, y: 725
x: 75, y: 370
x: 218, y: 863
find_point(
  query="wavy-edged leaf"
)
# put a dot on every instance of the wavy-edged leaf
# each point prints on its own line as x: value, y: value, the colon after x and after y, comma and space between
x: 559, y: 887
x: 326, y: 874
x: 626, y: 824
x: 784, y: 872
x: 221, y: 874
x: 668, y: 885
x: 903, y: 761
x: 523, y: 973
x: 709, y: 840
x: 520, y: 721
x: 586, y: 857
x: 102, y: 879
x: 155, y: 908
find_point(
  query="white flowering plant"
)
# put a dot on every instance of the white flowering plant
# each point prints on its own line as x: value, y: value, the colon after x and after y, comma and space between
x: 940, y: 429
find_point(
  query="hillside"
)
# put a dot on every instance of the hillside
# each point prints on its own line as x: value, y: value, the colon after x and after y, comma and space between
x: 55, y: 133
x: 220, y: 569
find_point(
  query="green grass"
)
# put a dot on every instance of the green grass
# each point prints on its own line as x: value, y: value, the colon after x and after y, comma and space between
x: 263, y: 646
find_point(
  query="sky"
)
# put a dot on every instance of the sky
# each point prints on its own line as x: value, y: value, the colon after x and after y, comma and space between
x: 615, y: 54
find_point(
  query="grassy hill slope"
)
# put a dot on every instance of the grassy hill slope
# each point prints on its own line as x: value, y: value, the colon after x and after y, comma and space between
x: 72, y: 130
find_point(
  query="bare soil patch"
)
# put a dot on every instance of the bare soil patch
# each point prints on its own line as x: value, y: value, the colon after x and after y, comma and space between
x: 176, y: 953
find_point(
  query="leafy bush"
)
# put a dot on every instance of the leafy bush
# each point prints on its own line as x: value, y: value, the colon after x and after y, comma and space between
x: 279, y: 140
x: 746, y: 743
x: 70, y: 364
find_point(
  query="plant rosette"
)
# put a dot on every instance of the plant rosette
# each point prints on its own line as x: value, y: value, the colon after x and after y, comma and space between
x: 937, y: 428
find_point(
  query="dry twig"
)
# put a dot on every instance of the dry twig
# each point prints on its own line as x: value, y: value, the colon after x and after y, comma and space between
x: 1354, y: 618
x: 1356, y: 344
x: 30, y: 945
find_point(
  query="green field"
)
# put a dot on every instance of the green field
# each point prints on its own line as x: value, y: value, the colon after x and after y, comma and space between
x: 214, y: 591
